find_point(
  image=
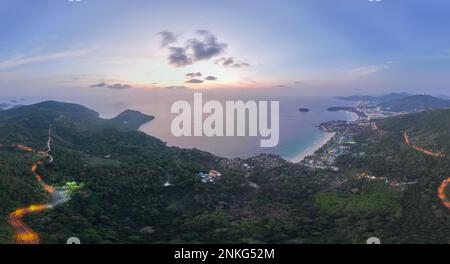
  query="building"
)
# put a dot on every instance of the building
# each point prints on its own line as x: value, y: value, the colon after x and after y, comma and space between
x: 210, y: 177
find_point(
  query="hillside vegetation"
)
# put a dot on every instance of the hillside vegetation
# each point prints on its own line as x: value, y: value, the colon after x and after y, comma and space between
x: 135, y: 189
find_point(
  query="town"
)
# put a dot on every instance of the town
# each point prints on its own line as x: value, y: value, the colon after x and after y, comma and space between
x: 344, y: 131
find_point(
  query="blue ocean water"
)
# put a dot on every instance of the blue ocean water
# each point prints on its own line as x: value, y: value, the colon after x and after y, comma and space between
x: 298, y: 131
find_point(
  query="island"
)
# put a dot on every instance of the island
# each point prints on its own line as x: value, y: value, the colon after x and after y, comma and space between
x: 303, y: 110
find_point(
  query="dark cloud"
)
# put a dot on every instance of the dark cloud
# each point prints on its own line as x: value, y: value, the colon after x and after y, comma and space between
x: 194, y: 74
x: 178, y: 57
x: 167, y: 38
x: 282, y: 86
x: 230, y: 62
x: 102, y: 84
x: 206, y: 48
x: 227, y: 61
x: 194, y: 81
x: 211, y: 78
x: 119, y: 86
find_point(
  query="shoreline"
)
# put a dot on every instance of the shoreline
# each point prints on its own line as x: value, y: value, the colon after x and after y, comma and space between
x: 298, y: 157
x: 313, y: 148
x: 318, y: 144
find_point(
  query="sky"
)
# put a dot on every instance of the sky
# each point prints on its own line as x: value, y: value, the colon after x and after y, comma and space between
x: 317, y: 47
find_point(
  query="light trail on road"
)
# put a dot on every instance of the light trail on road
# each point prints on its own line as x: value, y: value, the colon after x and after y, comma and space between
x: 24, y: 234
x: 446, y: 183
x: 423, y: 150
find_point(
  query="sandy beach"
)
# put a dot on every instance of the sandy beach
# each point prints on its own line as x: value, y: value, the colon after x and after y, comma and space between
x: 314, y: 147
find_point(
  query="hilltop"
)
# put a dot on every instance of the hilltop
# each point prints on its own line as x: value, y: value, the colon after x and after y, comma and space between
x: 72, y: 120
x: 400, y: 102
x: 131, y: 120
x: 430, y: 128
x: 415, y: 103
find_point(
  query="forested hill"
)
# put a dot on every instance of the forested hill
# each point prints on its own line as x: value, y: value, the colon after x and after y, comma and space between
x: 123, y: 171
x: 130, y: 119
x: 415, y: 103
x: 429, y: 129
x: 403, y: 102
x: 29, y: 124
x: 410, y: 171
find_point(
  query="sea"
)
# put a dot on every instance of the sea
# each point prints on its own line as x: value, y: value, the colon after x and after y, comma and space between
x: 299, y: 133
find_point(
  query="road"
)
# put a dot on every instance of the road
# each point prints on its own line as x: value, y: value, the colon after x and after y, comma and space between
x: 423, y: 150
x: 23, y: 233
x: 441, y: 192
x: 446, y: 183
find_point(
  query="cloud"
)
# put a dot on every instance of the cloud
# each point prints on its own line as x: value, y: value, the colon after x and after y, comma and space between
x: 99, y: 85
x: 206, y: 48
x: 116, y: 86
x: 178, y: 57
x: 211, y: 78
x: 240, y: 65
x: 194, y: 77
x: 194, y: 74
x: 167, y: 38
x: 194, y: 81
x: 282, y: 86
x: 368, y: 70
x: 230, y: 62
x: 26, y: 60
x: 173, y: 87
x: 119, y: 86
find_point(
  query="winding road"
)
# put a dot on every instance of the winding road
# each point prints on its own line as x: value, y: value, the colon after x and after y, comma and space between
x: 446, y: 183
x: 23, y: 233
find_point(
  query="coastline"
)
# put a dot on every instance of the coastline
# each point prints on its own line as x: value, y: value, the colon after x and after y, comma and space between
x: 313, y: 148
x: 294, y: 148
x: 318, y: 144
